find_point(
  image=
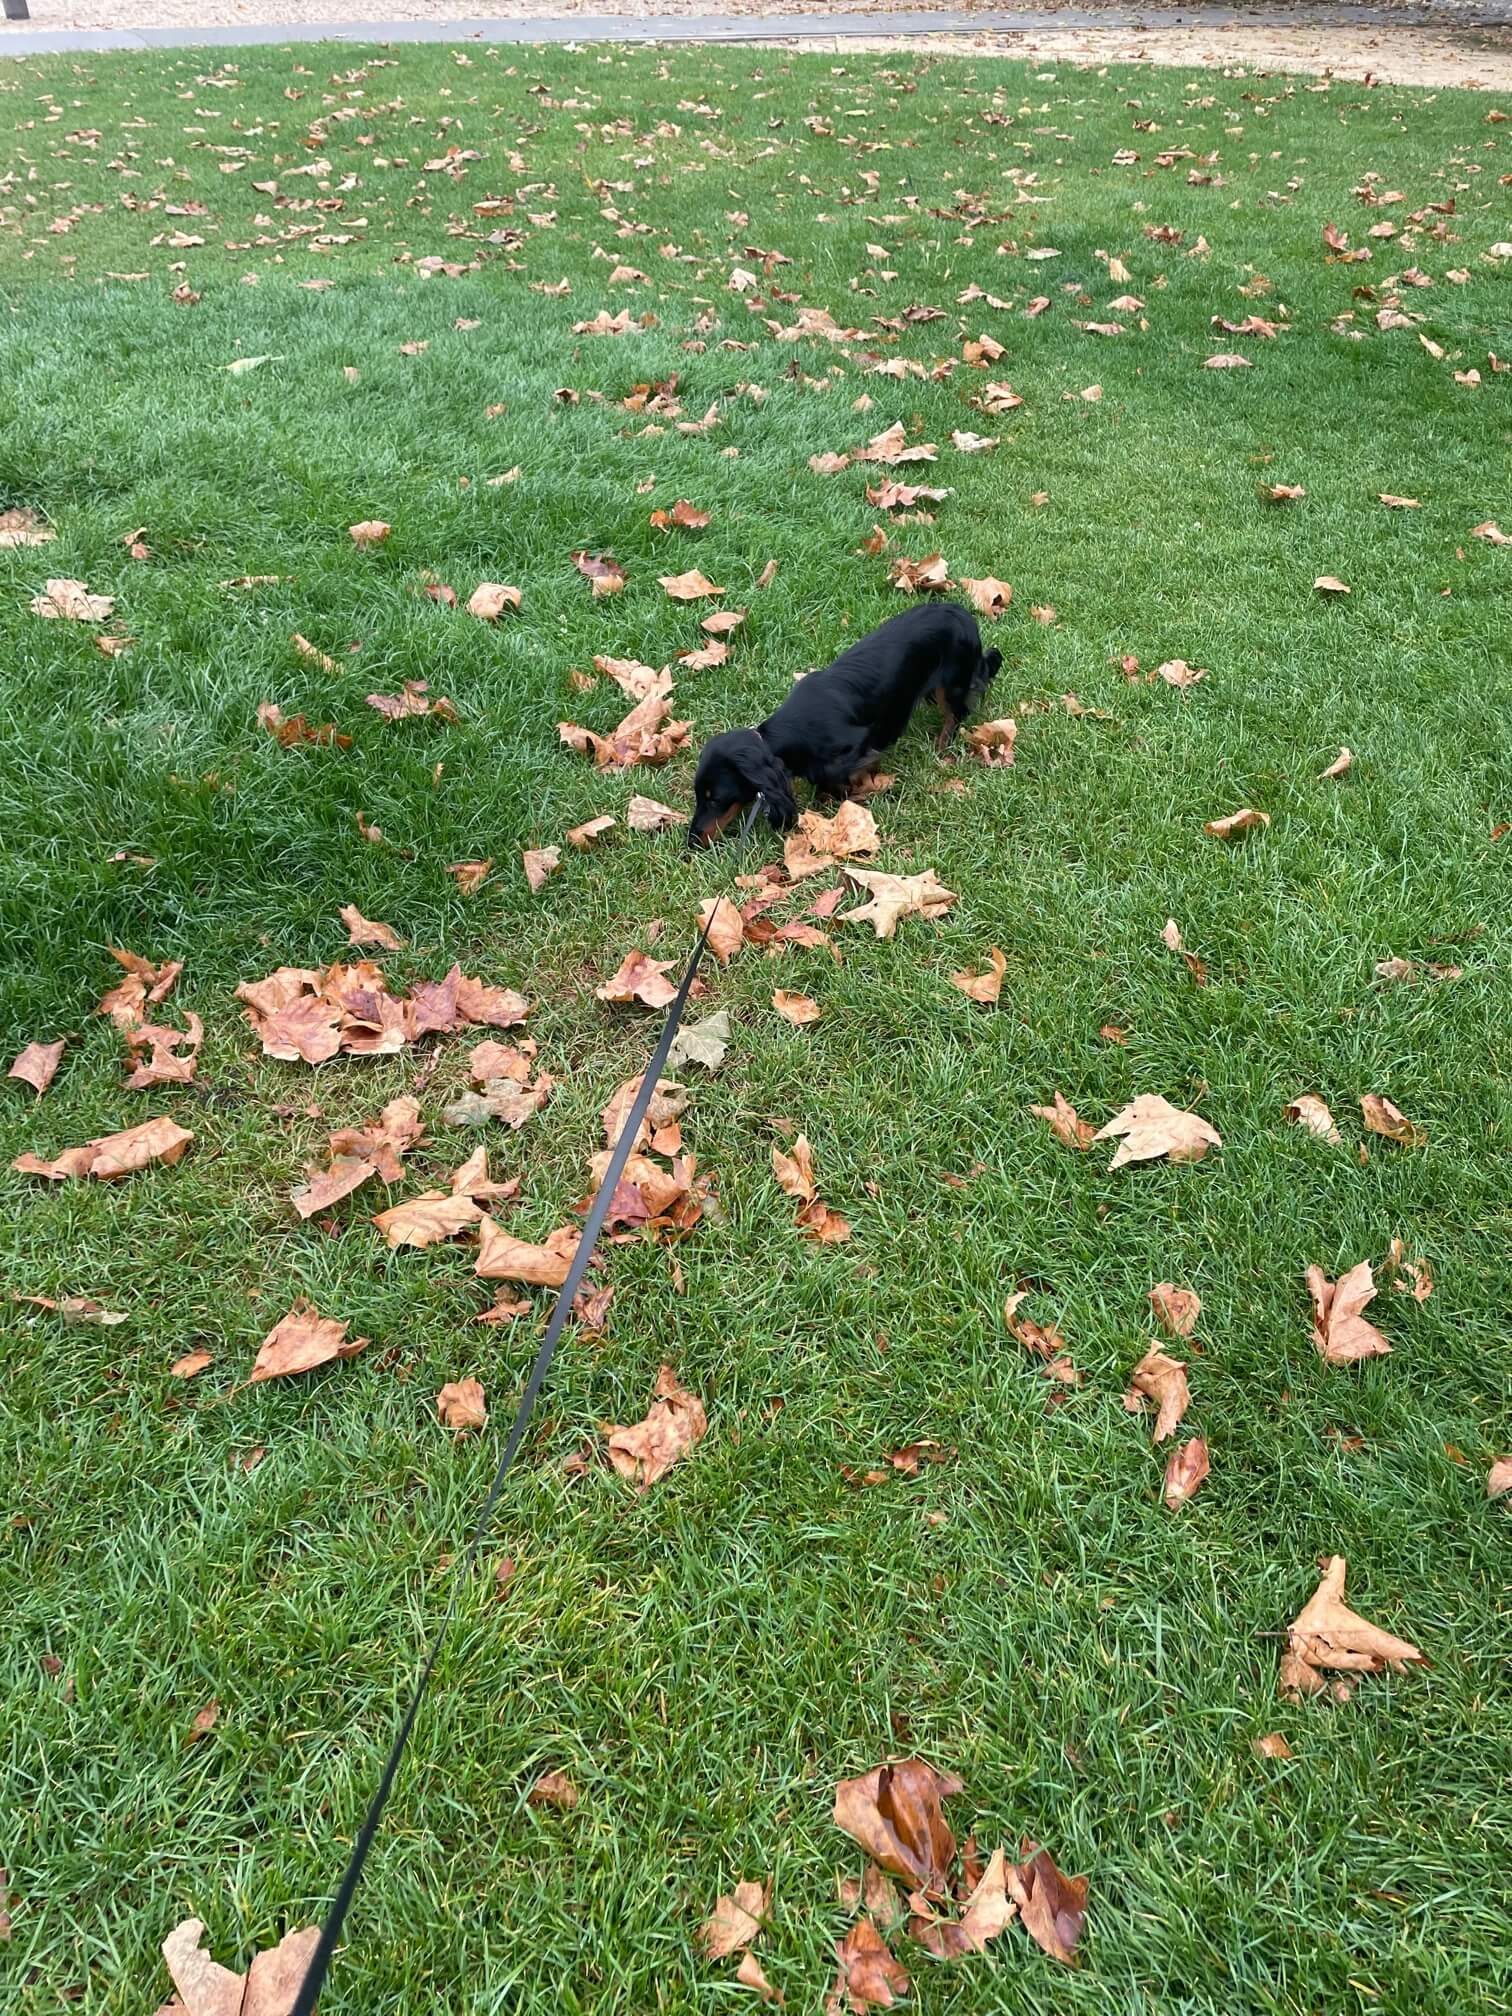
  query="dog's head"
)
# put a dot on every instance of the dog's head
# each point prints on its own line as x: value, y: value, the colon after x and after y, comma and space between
x: 983, y: 677
x: 733, y: 770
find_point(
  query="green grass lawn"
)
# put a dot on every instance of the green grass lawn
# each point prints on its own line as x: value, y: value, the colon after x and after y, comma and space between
x: 707, y: 1660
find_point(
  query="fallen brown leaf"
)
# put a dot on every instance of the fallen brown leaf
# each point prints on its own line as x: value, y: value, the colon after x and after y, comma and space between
x: 1308, y: 1110
x: 37, y: 1064
x: 461, y: 1406
x: 540, y: 863
x: 371, y: 532
x: 75, y: 1309
x: 268, y: 1988
x: 554, y: 1788
x: 987, y: 1911
x: 795, y: 1172
x: 590, y: 830
x: 1226, y: 360
x: 1499, y: 1478
x: 869, y: 1977
x: 722, y: 622
x: 750, y: 1975
x: 1273, y: 1745
x: 1243, y: 821
x: 414, y: 701
x: 1185, y: 1471
x: 734, y: 1922
x: 674, y: 1424
x: 1330, y: 584
x: 1339, y: 765
x: 163, y: 1065
x: 20, y: 527
x: 896, y: 896
x: 1177, y: 672
x: 726, y: 928
x: 1389, y: 1121
x: 429, y: 1218
x: 1053, y: 1906
x: 690, y: 586
x: 633, y: 679
x: 1491, y: 532
x: 895, y: 1812
x: 1176, y: 1309
x: 364, y: 931
x: 1407, y: 1276
x: 920, y: 577
x: 1281, y: 493
x: 312, y: 654
x: 112, y: 1155
x: 605, y: 573
x: 1329, y: 1634
x: 1340, y: 1332
x: 144, y: 984
x: 683, y: 515
x: 300, y: 1341
x: 490, y: 599
x: 993, y: 742
x: 72, y: 601
x: 640, y: 978
x: 972, y: 444
x: 470, y: 875
x: 799, y: 1009
x: 191, y: 1363
x: 292, y: 729
x: 983, y: 987
x: 1064, y: 1123
x: 1163, y: 1380
x: 1151, y: 1127
x: 988, y: 595
x: 648, y: 815
x: 501, y: 1258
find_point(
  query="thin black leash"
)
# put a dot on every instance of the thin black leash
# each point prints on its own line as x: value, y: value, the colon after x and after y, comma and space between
x: 330, y: 1931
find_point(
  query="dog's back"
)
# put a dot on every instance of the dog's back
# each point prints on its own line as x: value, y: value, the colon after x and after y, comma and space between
x: 878, y: 682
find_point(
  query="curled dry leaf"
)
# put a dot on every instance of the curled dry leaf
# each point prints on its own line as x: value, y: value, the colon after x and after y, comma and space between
x: 425, y: 1220
x: 972, y: 444
x: 1389, y: 1121
x: 1499, y: 1478
x: 799, y: 1009
x: 689, y: 587
x: 1491, y: 532
x: 461, y: 1406
x: 795, y: 1172
x: 987, y: 595
x: 371, y: 532
x: 299, y: 1342
x: 554, y: 1788
x: 288, y: 730
x: 1064, y: 1123
x: 674, y: 1424
x: 112, y: 1155
x: 1045, y: 1342
x: 683, y: 515
x: 751, y: 1975
x: 78, y: 1309
x: 1340, y: 1333
x: 895, y: 896
x: 648, y: 815
x: 490, y: 599
x: 1407, y: 1276
x: 896, y: 1814
x: 470, y: 875
x: 1177, y: 672
x: 1243, y: 821
x: 1339, y: 765
x: 268, y: 1988
x: 20, y: 527
x: 828, y: 463
x: 983, y: 987
x: 1176, y: 1309
x: 540, y: 863
x: 868, y: 1977
x: 411, y: 703
x: 1273, y: 1745
x: 590, y: 830
x: 993, y: 742
x: 1308, y: 1110
x: 714, y: 653
x: 734, y: 1922
x: 640, y: 738
x: 72, y: 601
x: 1327, y: 1634
x: 819, y: 843
x: 1053, y: 1906
x: 602, y: 570
x: 920, y: 577
x: 1226, y: 360
x: 1151, y: 1127
x: 1281, y: 493
x: 633, y: 679
x: 162, y: 1066
x: 37, y: 1065
x: 144, y: 984
x: 192, y: 1363
x: 1163, y: 1380
x: 1185, y: 1471
x: 722, y: 622
x: 987, y: 1911
x: 364, y: 931
x: 501, y: 1258
x: 640, y: 978
x: 1330, y: 584
x: 726, y: 928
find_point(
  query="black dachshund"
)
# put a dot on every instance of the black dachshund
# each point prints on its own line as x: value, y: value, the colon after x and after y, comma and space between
x: 835, y: 724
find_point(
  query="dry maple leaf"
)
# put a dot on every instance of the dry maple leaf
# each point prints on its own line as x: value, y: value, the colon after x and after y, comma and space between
x: 415, y: 700
x: 1065, y: 1124
x: 690, y: 586
x: 987, y: 595
x: 799, y: 1009
x: 829, y: 464
x: 1151, y: 1127
x: 1053, y: 1906
x: 1273, y: 1745
x: 268, y: 1988
x: 190, y: 1364
x: 1407, y: 1276
x: 993, y: 742
x: 1339, y: 765
x: 1176, y: 1309
x: 429, y: 1218
x: 640, y: 978
x: 896, y: 896
x: 984, y: 987
x: 540, y: 863
x: 469, y: 874
x: 291, y: 729
x: 1394, y: 503
x: 972, y: 444
x: 1243, y: 821
x: 648, y: 815
x: 750, y: 1975
x: 986, y: 1912
x: 702, y: 1042
x: 1164, y: 1380
x: 1226, y: 360
x: 554, y: 1788
x: 371, y: 532
x: 722, y: 622
x: 687, y: 517
x: 869, y: 1977
x: 895, y: 1813
x: 602, y: 570
x: 725, y: 926
x: 20, y: 527
x: 819, y: 843
x: 1499, y: 1478
x: 163, y: 1066
x: 633, y: 679
x: 1177, y: 672
x: 674, y: 1424
x: 113, y: 1155
x: 1389, y: 1121
x: 734, y: 1922
x: 72, y: 601
x: 920, y: 577
x: 1330, y: 584
x: 1308, y: 1110
x: 77, y: 1309
x: 590, y: 830
x: 299, y: 1342
x: 1281, y: 493
x: 144, y: 984
x: 1185, y: 1471
x: 1329, y: 1634
x: 461, y: 1406
x: 364, y: 931
x: 1340, y: 1333
x: 713, y: 653
x: 501, y: 1258
x: 37, y: 1064
x: 490, y: 599
x: 795, y: 1172
x: 1046, y: 1343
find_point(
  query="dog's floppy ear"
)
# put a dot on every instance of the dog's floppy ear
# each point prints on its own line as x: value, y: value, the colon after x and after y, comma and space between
x: 992, y: 664
x: 765, y: 774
